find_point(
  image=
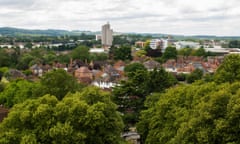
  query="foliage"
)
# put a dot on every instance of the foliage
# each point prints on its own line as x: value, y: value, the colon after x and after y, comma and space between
x: 200, y: 52
x: 120, y: 40
x: 159, y: 59
x: 99, y: 57
x: 2, y: 86
x: 154, y: 52
x: 59, y: 83
x: 4, y: 70
x: 141, y: 53
x: 88, y: 117
x: 14, y: 55
x: 159, y: 80
x: 4, y: 58
x: 147, y: 45
x: 28, y: 45
x: 195, y: 52
x: 133, y: 67
x: 130, y: 94
x: 229, y: 70
x: 208, y: 77
x: 234, y: 44
x: 27, y: 72
x: 185, y: 52
x: 197, y: 74
x: 24, y: 61
x: 170, y: 53
x: 18, y: 91
x: 181, y: 76
x: 49, y: 57
x: 123, y: 53
x: 81, y: 52
x: 63, y: 58
x: 197, y: 113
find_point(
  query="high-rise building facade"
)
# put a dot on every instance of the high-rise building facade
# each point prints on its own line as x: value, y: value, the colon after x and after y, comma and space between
x: 107, y: 35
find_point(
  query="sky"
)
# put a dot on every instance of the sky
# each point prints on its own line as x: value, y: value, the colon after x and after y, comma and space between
x: 184, y: 17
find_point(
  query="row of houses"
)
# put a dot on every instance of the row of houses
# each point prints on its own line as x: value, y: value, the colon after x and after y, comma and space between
x: 190, y: 63
x: 99, y: 73
x: 106, y: 75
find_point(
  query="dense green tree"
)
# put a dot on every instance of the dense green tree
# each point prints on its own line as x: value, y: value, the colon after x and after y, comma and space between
x: 88, y: 117
x: 208, y: 77
x: 99, y: 57
x: 133, y: 67
x: 170, y: 53
x: 154, y: 52
x: 200, y: 52
x: 38, y: 52
x: 130, y: 95
x: 181, y: 76
x: 159, y: 80
x: 123, y: 53
x: 5, y: 59
x: 63, y: 58
x: 24, y: 61
x: 4, y: 69
x: 198, y: 113
x: 1, y: 75
x: 185, y: 52
x: 14, y: 56
x: 120, y: 40
x: 59, y: 83
x: 141, y: 53
x: 234, y: 44
x: 28, y: 45
x: 197, y: 74
x: 49, y: 58
x: 229, y: 70
x: 2, y: 86
x: 81, y: 52
x: 18, y: 91
x: 147, y: 45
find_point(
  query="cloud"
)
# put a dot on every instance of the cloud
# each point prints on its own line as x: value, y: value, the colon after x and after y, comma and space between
x: 219, y: 17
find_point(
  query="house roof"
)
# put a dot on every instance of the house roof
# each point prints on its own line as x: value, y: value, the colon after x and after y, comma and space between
x: 16, y: 73
x: 83, y: 69
x: 151, y: 64
x: 119, y: 64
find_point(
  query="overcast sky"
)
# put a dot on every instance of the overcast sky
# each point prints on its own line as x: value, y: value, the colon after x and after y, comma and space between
x: 188, y: 17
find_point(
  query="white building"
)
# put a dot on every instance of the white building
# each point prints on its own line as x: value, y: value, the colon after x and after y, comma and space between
x: 104, y: 85
x: 55, y: 45
x: 159, y: 43
x: 98, y: 37
x: 223, y: 50
x: 184, y: 44
x: 107, y: 35
x: 97, y: 50
x: 154, y: 43
x: 6, y: 46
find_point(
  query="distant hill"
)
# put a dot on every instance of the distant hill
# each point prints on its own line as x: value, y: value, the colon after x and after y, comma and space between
x: 9, y: 31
